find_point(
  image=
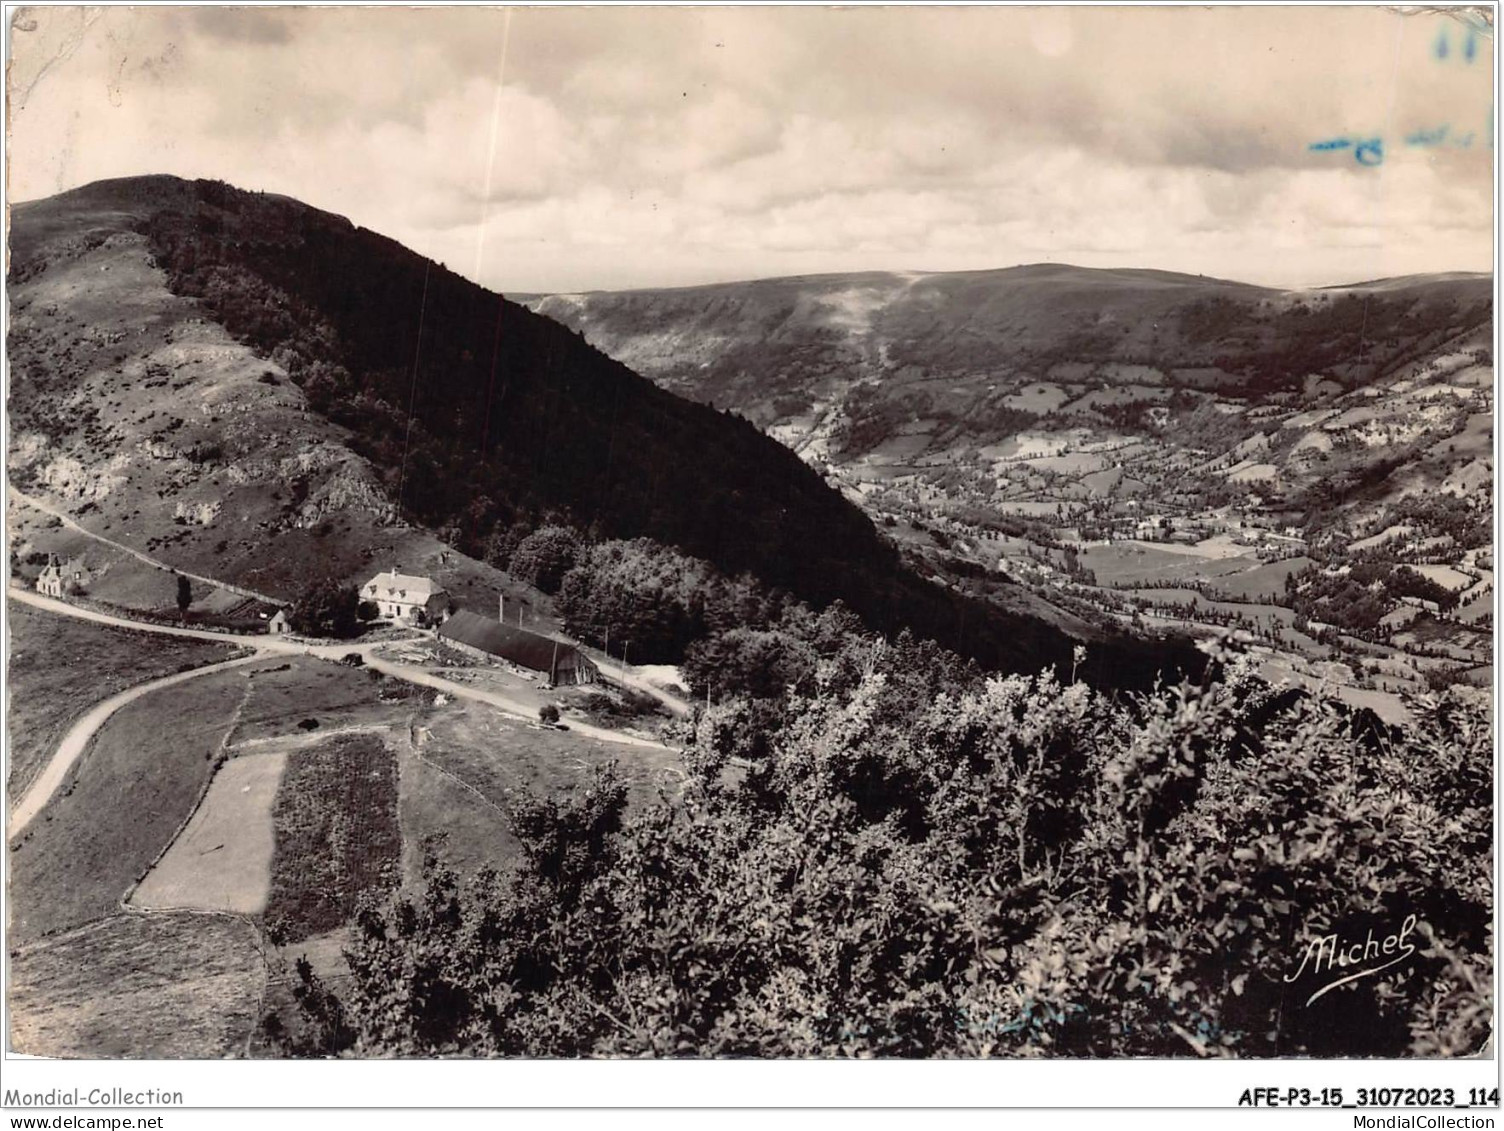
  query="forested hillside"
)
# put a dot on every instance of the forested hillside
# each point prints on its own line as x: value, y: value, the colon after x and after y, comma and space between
x: 477, y: 413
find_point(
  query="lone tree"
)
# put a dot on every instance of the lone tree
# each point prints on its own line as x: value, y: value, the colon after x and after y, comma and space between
x: 326, y: 608
x: 185, y: 596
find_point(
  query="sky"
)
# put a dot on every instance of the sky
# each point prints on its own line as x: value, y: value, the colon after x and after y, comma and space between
x: 567, y: 149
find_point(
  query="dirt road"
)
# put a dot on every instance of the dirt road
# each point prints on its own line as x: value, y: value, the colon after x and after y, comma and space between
x: 155, y: 563
x: 77, y: 738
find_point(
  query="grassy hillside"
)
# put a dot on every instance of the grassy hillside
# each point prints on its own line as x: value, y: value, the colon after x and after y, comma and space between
x: 60, y: 667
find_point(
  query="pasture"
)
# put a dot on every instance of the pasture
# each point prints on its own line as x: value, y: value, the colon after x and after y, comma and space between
x: 899, y: 450
x: 440, y: 811
x: 139, y: 986
x: 60, y: 667
x: 1072, y: 463
x: 136, y: 784
x: 1029, y: 445
x: 1445, y: 576
x: 334, y: 695
x: 1252, y: 473
x: 1265, y: 615
x: 1266, y: 580
x: 1119, y: 395
x: 1140, y: 563
x: 1396, y: 530
x: 1043, y: 398
x: 1388, y: 706
x: 483, y: 759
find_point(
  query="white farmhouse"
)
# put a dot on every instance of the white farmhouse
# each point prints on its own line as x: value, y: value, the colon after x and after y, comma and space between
x: 50, y: 583
x: 402, y: 597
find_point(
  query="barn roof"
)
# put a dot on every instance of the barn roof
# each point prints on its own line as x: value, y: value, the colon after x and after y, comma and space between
x: 510, y: 643
x: 394, y: 586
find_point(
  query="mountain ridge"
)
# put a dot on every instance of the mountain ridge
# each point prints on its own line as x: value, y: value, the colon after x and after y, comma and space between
x: 1087, y: 273
x: 512, y: 415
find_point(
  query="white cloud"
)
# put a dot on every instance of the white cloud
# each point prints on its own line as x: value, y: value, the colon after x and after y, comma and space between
x: 650, y: 146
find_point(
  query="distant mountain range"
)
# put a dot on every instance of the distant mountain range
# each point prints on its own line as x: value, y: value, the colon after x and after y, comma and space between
x: 773, y: 348
x: 257, y: 389
x: 911, y: 388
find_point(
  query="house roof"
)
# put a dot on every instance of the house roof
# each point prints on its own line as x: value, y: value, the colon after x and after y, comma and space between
x: 511, y: 643
x: 394, y: 586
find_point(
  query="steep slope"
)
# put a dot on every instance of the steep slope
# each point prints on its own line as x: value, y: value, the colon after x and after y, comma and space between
x: 193, y: 360
x: 148, y: 421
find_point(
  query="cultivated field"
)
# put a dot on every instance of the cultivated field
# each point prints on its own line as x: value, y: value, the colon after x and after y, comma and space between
x: 337, y: 837
x: 60, y: 667
x: 221, y: 861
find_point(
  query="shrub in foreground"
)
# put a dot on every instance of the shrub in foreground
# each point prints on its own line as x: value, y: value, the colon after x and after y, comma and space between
x: 1028, y: 869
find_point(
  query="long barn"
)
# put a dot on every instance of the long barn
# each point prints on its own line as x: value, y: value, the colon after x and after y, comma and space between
x: 490, y: 639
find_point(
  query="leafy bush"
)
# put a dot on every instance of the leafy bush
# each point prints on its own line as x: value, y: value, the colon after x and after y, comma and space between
x: 1021, y: 869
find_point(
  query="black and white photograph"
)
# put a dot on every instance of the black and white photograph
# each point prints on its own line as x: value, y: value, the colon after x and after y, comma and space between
x: 759, y: 533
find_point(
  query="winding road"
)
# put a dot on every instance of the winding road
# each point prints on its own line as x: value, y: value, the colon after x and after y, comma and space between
x: 77, y: 739
x: 72, y: 746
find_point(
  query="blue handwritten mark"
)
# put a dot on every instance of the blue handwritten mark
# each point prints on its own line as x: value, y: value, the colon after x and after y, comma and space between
x: 1427, y: 137
x: 1441, y: 135
x: 1366, y: 150
x: 1443, y: 44
x: 1470, y: 48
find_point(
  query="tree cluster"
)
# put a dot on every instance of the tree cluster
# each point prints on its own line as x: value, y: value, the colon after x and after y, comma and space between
x: 326, y: 608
